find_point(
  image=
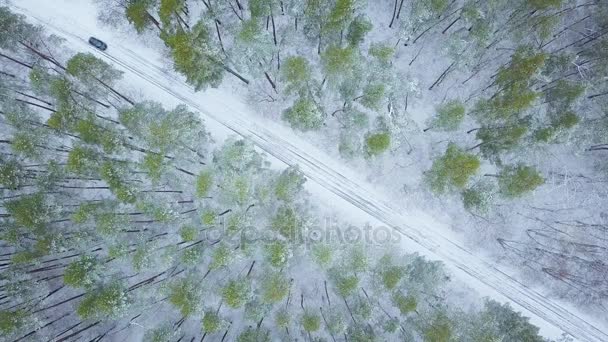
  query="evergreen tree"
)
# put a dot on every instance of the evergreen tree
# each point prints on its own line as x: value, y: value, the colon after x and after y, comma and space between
x: 452, y: 170
x: 110, y: 301
x: 195, y: 57
x: 296, y: 73
x: 358, y: 28
x: 377, y: 143
x: 304, y: 115
x: 449, y: 116
x: 138, y: 14
x: 184, y: 295
x: 515, y: 181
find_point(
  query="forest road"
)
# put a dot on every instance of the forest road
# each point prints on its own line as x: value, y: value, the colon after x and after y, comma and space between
x: 436, y: 239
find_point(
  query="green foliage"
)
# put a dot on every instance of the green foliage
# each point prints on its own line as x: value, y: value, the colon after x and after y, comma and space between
x: 565, y: 120
x: 289, y: 184
x: 10, y: 321
x: 194, y: 56
x: 255, y: 310
x: 357, y: 259
x: 238, y: 188
x: 282, y: 319
x: 109, y: 224
x: 163, y: 130
x: 92, y: 133
x: 507, y: 105
x: 277, y: 253
x: 222, y: 256
x: 212, y: 322
x: 108, y: 302
x: 357, y: 30
x: 304, y: 115
x: 237, y: 155
x: 513, y: 80
x: 405, y: 304
x: 361, y: 334
x: 192, y: 256
x: 362, y: 308
x: 137, y: 13
x: 63, y: 119
x: 208, y: 217
x: 340, y: 15
x: 438, y: 6
x: 545, y: 134
x: 29, y: 211
x: 449, y: 116
x: 335, y: 322
x: 90, y: 69
x: 236, y: 292
x: 544, y: 25
x: 377, y: 143
x: 142, y: 257
x: 560, y: 121
x: 524, y: 64
x: 310, y: 322
x: 510, y: 325
x: 440, y: 329
x: 26, y: 144
x: 82, y: 160
x: 452, y: 170
x: 382, y: 52
x: 24, y: 257
x: 14, y: 29
x: 477, y: 198
x: 338, y: 61
x: 188, y: 233
x: 81, y: 273
x: 515, y: 181
x: 112, y: 174
x: 564, y: 93
x: 119, y: 250
x: 354, y: 119
x: 11, y: 174
x: 543, y: 4
x: 250, y: 30
x: 496, y: 140
x: 349, y: 147
x: 274, y: 288
x: 391, y: 276
x: 162, y: 334
x: 169, y: 8
x: 254, y: 335
x: 184, y: 295
x: 260, y: 8
x: 322, y: 254
x: 296, y: 73
x: 204, y: 182
x: 345, y: 284
x: 372, y: 97
x: 153, y: 165
x: 287, y: 222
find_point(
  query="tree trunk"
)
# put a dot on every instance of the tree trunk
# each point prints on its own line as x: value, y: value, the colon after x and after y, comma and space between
x: 390, y: 25
x: 274, y: 30
x: 16, y: 61
x: 237, y: 75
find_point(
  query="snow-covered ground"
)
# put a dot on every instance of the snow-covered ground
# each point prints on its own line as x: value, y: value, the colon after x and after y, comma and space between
x: 334, y: 183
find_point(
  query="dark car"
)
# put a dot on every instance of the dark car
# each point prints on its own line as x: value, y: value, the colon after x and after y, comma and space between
x: 98, y: 43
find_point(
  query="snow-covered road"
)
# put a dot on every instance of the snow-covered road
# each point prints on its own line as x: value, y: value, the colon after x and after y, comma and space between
x: 73, y: 21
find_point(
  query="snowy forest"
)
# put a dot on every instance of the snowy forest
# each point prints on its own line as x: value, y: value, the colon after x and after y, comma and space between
x: 127, y: 217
